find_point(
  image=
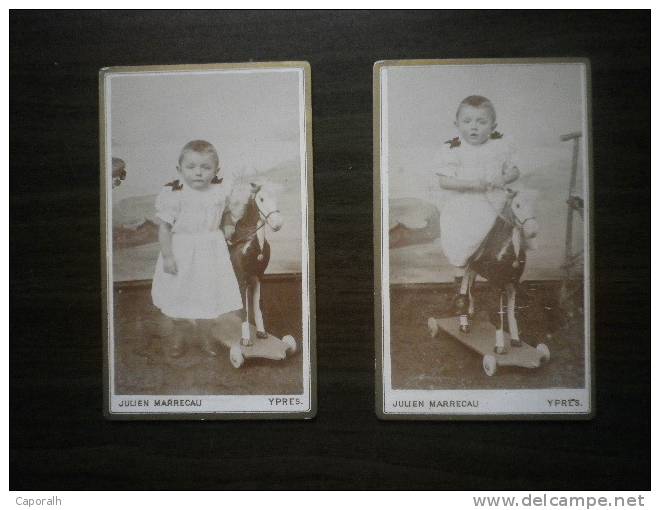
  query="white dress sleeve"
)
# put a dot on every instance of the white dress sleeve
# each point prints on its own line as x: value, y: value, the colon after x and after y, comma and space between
x: 447, y: 162
x: 511, y: 156
x: 168, y: 205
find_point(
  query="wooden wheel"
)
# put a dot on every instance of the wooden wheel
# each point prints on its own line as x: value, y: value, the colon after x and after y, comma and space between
x: 490, y: 365
x: 290, y: 342
x: 544, y: 352
x: 236, y: 356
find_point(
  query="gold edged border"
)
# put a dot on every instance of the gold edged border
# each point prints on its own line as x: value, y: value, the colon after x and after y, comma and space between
x: 311, y: 279
x: 379, y: 392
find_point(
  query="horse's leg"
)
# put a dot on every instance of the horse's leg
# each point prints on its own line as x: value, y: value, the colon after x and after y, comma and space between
x: 245, y: 329
x: 472, y: 275
x: 465, y: 281
x: 256, y: 308
x: 511, y: 315
x: 499, y: 333
x: 463, y: 303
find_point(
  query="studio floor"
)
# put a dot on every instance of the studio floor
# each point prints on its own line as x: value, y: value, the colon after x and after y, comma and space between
x: 422, y: 362
x: 144, y: 366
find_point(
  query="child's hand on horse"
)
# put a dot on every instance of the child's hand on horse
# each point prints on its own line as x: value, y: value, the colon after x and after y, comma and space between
x: 510, y: 173
x: 169, y: 265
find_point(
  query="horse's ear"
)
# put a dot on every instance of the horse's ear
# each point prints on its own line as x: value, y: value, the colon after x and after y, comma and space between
x: 254, y: 187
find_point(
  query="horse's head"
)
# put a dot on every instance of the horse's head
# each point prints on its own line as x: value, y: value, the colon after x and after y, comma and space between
x: 118, y: 171
x: 265, y: 200
x: 522, y: 207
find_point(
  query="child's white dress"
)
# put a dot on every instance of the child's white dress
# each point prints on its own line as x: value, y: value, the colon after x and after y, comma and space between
x: 205, y: 286
x: 468, y: 216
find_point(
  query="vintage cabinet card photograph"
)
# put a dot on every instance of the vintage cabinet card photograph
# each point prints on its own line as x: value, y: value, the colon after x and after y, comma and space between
x: 207, y: 232
x: 482, y: 239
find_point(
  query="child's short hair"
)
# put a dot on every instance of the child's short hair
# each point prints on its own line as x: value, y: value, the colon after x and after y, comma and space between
x: 478, y: 102
x: 202, y: 147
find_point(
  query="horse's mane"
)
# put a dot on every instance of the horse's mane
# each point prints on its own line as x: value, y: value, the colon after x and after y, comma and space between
x: 238, y: 198
x: 241, y: 191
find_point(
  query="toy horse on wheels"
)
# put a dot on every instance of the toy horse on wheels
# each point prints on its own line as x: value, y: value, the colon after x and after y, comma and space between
x: 501, y: 261
x: 251, y: 209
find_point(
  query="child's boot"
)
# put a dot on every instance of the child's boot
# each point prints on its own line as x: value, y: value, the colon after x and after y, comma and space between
x: 208, y: 347
x: 208, y: 344
x: 177, y: 346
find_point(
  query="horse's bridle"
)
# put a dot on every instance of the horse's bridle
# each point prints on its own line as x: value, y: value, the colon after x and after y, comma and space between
x: 263, y: 218
x: 516, y: 222
x: 262, y: 215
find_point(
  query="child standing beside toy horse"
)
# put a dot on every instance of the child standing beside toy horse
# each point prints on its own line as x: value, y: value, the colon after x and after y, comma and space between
x: 194, y: 280
x: 475, y: 166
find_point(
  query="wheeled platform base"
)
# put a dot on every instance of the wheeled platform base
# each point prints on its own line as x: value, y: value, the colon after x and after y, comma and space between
x: 481, y: 339
x: 269, y: 348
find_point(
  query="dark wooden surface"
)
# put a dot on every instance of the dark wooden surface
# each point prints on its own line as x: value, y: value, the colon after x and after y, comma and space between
x: 59, y: 438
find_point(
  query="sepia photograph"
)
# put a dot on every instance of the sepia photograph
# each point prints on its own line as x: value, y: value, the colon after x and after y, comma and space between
x: 207, y: 231
x: 482, y: 239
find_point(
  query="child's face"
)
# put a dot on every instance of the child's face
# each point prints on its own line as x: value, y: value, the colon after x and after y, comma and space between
x: 475, y: 124
x: 197, y: 169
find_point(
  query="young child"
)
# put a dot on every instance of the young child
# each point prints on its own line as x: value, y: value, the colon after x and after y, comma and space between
x: 194, y: 279
x: 475, y: 166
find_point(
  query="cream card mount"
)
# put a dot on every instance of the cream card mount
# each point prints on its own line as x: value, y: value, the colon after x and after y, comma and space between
x: 483, y: 239
x: 207, y: 241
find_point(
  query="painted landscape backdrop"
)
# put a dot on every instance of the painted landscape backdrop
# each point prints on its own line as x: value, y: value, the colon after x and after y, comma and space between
x: 135, y: 232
